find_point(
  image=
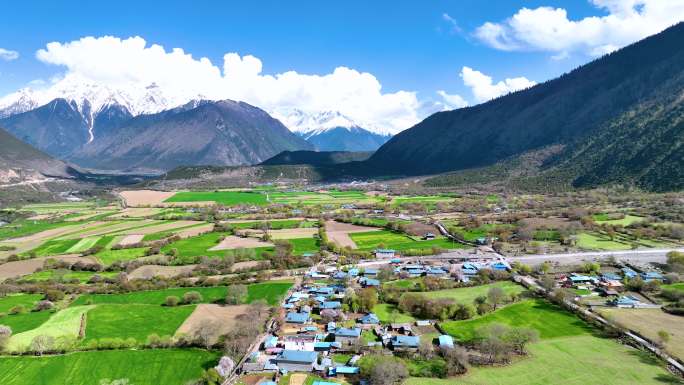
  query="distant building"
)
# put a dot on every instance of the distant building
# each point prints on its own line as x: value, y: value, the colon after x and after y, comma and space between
x: 445, y: 341
x: 369, y: 282
x: 347, y: 335
x: 369, y: 319
x: 297, y: 318
x: 296, y: 360
x: 405, y: 342
x: 428, y: 236
x: 384, y: 253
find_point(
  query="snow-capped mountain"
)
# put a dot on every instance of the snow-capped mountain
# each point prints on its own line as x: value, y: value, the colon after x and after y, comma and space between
x: 331, y: 130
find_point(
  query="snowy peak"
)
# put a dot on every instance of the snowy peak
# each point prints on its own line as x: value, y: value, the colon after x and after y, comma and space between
x: 313, y: 123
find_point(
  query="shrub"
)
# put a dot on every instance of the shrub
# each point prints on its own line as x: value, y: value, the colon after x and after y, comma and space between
x: 172, y: 300
x: 192, y: 297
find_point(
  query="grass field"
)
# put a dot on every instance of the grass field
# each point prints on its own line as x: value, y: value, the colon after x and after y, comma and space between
x: 227, y: 198
x: 83, y: 245
x: 384, y: 311
x: 548, y: 319
x: 563, y: 355
x: 579, y: 360
x: 197, y: 246
x: 107, y: 257
x: 370, y: 240
x: 626, y: 221
x: 140, y: 367
x: 593, y: 241
x: 54, y: 247
x: 134, y: 321
x: 26, y: 227
x: 20, y: 323
x: 269, y: 291
x: 675, y: 286
x: 68, y: 275
x: 64, y: 323
x: 26, y: 300
x: 467, y: 295
x: 304, y: 245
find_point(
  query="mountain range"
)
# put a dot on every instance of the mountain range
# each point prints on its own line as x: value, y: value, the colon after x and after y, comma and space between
x: 616, y: 120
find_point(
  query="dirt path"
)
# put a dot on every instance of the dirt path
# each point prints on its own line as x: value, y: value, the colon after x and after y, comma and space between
x: 233, y: 242
x: 28, y: 266
x: 338, y: 232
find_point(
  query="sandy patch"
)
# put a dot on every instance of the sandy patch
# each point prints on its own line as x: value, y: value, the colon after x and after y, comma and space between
x: 131, y: 239
x: 293, y: 233
x: 150, y: 271
x: 161, y: 227
x: 28, y: 266
x: 298, y: 378
x: 137, y: 212
x: 224, y: 316
x: 136, y: 198
x: 233, y: 242
x: 338, y: 232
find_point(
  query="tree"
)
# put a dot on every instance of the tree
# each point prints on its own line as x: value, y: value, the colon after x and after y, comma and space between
x: 5, y: 335
x: 54, y: 295
x: 206, y: 332
x: 368, y: 298
x: 663, y: 337
x: 172, y: 300
x: 42, y: 343
x: 495, y: 296
x: 591, y: 268
x: 383, y: 370
x: 236, y: 294
x: 426, y: 349
x: 457, y: 360
x: 547, y: 282
x: 192, y: 297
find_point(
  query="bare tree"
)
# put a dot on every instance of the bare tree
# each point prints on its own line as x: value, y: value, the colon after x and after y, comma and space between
x: 42, y: 343
x: 206, y: 332
x: 457, y: 360
x: 495, y: 296
x: 236, y: 294
x: 5, y: 334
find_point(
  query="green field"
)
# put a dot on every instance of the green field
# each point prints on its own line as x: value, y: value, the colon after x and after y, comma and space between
x: 566, y: 349
x: 83, y: 245
x: 626, y: 221
x: 548, y: 319
x: 304, y: 245
x: 68, y: 275
x: 370, y: 240
x: 675, y: 286
x: 26, y: 300
x: 64, y: 323
x: 273, y: 224
x: 134, y: 321
x: 384, y: 313
x: 269, y: 291
x: 467, y: 295
x: 315, y: 198
x: 107, y: 257
x: 593, y: 241
x: 24, y: 227
x: 25, y: 321
x: 227, y: 198
x: 54, y: 247
x: 140, y: 367
x: 197, y: 246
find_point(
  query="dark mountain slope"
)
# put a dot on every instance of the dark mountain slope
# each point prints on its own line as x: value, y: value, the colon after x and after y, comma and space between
x: 577, y: 110
x: 207, y: 133
x: 315, y: 158
x: 345, y: 139
x: 20, y: 162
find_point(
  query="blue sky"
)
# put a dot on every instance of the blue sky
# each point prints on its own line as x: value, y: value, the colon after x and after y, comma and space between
x: 406, y: 45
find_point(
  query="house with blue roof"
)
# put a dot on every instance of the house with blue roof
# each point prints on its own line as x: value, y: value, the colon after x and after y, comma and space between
x: 331, y: 327
x: 610, y: 277
x: 353, y: 272
x: 370, y: 272
x: 415, y: 272
x: 340, y: 275
x: 267, y: 383
x: 369, y: 282
x: 652, y: 276
x: 270, y: 342
x: 384, y: 253
x: 500, y: 265
x: 435, y: 272
x: 346, y: 335
x: 446, y: 341
x: 325, y: 346
x: 334, y: 371
x: 628, y: 273
x: 369, y: 319
x: 296, y: 360
x: 401, y: 343
x: 324, y: 383
x: 330, y: 305
x: 297, y: 318
x: 625, y: 301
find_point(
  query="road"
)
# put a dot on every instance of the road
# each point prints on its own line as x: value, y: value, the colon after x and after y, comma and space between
x: 634, y: 256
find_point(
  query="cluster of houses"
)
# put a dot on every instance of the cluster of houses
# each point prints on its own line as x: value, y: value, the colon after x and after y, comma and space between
x: 610, y: 284
x: 314, y: 327
x: 470, y: 269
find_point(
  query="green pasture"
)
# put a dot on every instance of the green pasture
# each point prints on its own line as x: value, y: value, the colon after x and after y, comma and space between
x: 371, y: 240
x: 25, y: 227
x: 26, y: 300
x: 388, y: 313
x: 595, y: 241
x: 67, y: 275
x: 626, y: 221
x: 107, y: 257
x: 304, y: 245
x: 25, y: 321
x: 466, y: 295
x: 227, y: 198
x: 134, y: 321
x: 64, y: 323
x: 139, y: 367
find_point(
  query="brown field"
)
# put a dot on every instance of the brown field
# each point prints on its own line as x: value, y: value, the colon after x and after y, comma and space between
x: 338, y: 232
x: 293, y: 233
x: 149, y: 271
x: 298, y: 378
x: 28, y: 266
x: 131, y: 239
x: 233, y: 242
x: 648, y: 322
x: 187, y: 233
x: 237, y: 266
x: 226, y: 316
x: 159, y: 228
x: 138, y: 198
x: 419, y: 229
x: 137, y: 212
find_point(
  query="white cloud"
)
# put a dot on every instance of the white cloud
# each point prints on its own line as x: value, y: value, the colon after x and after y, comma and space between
x: 484, y: 88
x: 550, y: 29
x: 120, y: 62
x: 8, y: 55
x: 455, y: 28
x: 452, y: 101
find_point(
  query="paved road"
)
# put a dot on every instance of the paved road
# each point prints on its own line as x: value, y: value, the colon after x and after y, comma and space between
x: 635, y: 256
